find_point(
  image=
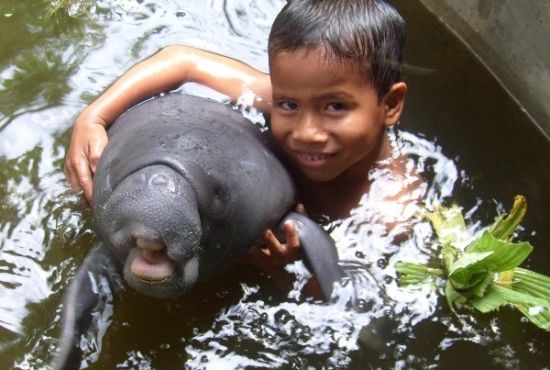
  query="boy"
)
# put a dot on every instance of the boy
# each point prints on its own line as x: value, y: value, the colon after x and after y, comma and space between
x: 334, y: 87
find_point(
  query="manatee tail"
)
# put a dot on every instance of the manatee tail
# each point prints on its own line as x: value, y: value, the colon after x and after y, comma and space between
x: 87, y: 308
x: 320, y: 252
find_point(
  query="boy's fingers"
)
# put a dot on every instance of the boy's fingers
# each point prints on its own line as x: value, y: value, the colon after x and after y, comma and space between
x: 95, y: 150
x: 301, y: 209
x: 70, y: 173
x: 73, y: 181
x: 88, y: 191
x: 292, y: 241
x: 273, y: 244
x: 291, y: 235
x: 80, y: 183
x: 85, y: 182
x: 80, y: 177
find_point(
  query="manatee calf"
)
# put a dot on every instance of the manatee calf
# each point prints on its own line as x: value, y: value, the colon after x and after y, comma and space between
x: 184, y: 188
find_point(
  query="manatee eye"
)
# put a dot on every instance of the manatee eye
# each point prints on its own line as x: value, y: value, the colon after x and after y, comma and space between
x: 220, y: 194
x: 219, y: 201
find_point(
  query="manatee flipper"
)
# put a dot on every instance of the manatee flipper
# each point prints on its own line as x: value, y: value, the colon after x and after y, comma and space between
x: 87, y: 308
x: 319, y: 251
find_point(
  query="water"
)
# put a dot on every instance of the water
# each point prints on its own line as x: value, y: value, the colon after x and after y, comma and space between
x: 469, y: 139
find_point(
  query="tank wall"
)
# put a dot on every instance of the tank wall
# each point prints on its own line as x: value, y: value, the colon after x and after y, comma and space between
x: 512, y: 39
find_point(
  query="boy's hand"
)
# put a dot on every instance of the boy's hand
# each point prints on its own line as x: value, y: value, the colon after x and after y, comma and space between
x: 274, y: 255
x: 88, y: 140
x: 278, y: 254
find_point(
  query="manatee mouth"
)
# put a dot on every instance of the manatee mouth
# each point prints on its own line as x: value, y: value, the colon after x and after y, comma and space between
x: 150, y: 262
x: 150, y: 269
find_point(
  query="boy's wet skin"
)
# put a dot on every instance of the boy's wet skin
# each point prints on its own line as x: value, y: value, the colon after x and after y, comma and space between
x: 331, y: 123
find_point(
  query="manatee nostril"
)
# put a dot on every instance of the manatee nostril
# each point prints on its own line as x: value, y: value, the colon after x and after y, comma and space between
x: 139, y: 179
x: 159, y: 179
x: 163, y: 181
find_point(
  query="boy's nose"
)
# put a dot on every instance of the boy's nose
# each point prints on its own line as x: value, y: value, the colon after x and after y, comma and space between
x: 309, y: 129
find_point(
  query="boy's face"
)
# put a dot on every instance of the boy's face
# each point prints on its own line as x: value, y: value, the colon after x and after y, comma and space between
x: 325, y: 117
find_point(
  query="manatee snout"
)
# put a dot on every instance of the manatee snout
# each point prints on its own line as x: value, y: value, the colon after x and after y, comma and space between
x: 153, y: 216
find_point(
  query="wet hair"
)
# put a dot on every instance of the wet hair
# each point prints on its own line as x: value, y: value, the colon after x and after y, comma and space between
x: 370, y: 33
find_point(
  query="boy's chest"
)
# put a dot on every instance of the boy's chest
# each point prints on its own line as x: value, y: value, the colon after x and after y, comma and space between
x: 332, y: 200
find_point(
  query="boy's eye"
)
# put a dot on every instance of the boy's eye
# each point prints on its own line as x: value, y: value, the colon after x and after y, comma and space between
x: 288, y: 105
x: 335, y: 107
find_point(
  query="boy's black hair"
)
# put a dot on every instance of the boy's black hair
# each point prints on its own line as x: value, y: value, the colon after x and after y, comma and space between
x: 369, y: 32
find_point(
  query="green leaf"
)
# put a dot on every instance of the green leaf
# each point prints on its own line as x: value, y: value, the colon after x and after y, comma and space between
x: 454, y: 297
x: 504, y: 226
x: 449, y: 255
x: 415, y: 273
x: 536, y: 285
x: 469, y: 269
x: 499, y: 294
x: 505, y: 255
x: 485, y: 276
x: 491, y: 301
x: 479, y: 289
x: 535, y: 308
x: 448, y: 224
x: 486, y: 255
x: 531, y: 282
x: 540, y: 318
x: 467, y: 279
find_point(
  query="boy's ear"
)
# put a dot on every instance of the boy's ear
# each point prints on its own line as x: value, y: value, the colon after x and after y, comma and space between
x: 394, y: 102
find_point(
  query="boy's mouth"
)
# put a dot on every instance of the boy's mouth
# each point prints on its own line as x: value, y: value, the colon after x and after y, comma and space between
x: 312, y: 159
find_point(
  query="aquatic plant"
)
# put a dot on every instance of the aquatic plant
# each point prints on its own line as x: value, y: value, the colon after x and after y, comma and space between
x: 485, y: 275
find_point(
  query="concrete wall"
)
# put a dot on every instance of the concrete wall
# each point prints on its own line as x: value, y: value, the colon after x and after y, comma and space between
x: 512, y: 38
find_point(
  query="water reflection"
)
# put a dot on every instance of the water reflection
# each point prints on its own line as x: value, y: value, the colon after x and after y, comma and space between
x: 41, y: 222
x: 38, y: 57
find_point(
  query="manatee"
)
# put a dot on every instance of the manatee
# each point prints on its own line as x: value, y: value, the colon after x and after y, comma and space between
x: 184, y: 188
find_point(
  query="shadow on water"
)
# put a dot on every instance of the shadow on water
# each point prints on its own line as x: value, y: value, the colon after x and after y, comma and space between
x: 460, y: 130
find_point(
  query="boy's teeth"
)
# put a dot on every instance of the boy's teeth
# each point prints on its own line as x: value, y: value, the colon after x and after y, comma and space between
x: 313, y: 157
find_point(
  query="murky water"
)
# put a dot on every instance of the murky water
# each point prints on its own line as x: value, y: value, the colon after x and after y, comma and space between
x: 461, y: 131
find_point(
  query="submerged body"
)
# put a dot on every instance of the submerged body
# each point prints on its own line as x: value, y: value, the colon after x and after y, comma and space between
x: 185, y: 187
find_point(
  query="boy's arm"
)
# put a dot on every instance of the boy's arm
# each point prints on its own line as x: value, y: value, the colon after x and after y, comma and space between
x: 166, y: 70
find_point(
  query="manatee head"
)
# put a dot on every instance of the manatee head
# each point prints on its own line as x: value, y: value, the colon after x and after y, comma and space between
x: 152, y: 217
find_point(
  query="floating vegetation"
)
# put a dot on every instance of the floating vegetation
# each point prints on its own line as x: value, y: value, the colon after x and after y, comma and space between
x: 486, y: 274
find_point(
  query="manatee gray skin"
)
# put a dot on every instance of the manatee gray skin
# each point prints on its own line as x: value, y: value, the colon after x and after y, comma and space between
x: 87, y: 306
x: 184, y: 188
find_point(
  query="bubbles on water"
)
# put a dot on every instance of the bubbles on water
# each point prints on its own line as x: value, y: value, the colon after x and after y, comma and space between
x: 382, y: 263
x: 136, y: 360
x: 277, y: 334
